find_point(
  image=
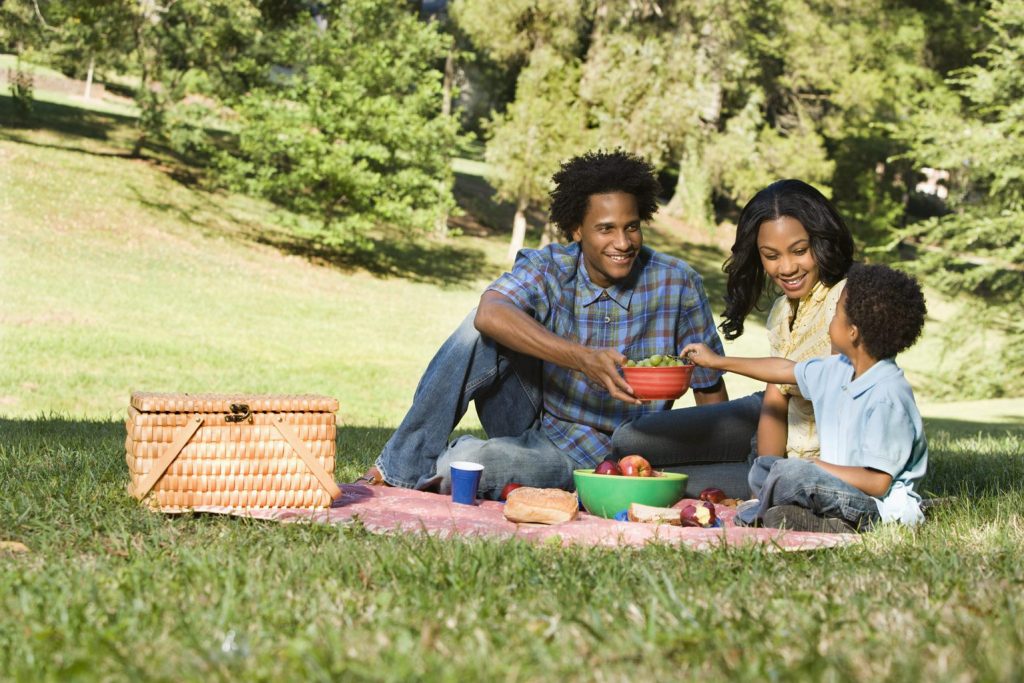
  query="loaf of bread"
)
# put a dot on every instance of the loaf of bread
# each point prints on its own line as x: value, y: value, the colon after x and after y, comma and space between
x: 648, y: 513
x: 541, y: 506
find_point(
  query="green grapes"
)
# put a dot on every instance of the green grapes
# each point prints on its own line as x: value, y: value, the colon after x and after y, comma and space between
x: 658, y: 360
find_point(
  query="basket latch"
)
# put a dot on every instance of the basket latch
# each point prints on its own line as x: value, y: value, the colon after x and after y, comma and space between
x: 239, y: 413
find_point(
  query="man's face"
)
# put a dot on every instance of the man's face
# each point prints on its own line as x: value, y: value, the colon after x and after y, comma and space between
x: 610, y: 237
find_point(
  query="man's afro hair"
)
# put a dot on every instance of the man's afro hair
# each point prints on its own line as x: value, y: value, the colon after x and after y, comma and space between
x: 601, y: 172
x: 887, y: 307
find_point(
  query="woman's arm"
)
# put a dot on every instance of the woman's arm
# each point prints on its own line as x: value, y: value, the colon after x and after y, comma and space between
x: 773, y: 425
x: 871, y: 482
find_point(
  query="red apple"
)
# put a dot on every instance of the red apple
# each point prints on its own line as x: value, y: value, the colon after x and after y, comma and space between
x: 713, y: 495
x: 607, y: 467
x: 509, y: 488
x: 635, y: 466
x: 701, y: 515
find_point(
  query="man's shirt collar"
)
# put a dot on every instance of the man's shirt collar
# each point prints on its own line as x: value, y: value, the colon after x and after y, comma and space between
x: 620, y: 292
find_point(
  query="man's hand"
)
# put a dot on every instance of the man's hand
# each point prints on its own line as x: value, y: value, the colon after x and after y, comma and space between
x: 501, y: 320
x: 702, y: 355
x: 602, y: 367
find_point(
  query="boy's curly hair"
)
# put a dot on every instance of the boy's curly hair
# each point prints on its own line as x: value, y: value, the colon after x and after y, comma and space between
x: 887, y: 307
x: 600, y: 172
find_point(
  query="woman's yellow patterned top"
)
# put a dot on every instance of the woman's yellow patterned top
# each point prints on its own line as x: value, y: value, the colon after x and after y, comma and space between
x: 798, y: 339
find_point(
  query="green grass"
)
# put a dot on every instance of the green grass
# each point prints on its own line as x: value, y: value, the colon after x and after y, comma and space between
x: 120, y: 274
x: 109, y: 591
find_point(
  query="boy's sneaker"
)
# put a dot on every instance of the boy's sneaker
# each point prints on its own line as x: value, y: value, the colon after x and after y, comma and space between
x: 796, y: 518
x: 930, y: 505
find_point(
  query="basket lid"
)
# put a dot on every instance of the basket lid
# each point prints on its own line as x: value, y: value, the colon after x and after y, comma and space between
x: 153, y: 402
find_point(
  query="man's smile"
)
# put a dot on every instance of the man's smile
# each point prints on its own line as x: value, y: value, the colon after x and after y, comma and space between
x: 622, y: 258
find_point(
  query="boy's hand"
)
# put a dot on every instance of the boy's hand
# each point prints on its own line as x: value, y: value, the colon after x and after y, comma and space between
x: 701, y: 354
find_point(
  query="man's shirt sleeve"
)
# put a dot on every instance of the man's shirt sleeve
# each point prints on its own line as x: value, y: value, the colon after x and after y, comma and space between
x: 526, y: 284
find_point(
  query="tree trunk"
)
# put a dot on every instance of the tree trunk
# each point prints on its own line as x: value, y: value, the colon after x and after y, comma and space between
x: 518, y: 228
x: 447, y: 85
x: 549, y: 235
x: 692, y: 199
x: 88, y: 77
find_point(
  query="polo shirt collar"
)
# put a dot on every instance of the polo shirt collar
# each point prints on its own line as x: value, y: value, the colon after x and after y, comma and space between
x: 619, y: 292
x: 879, y: 372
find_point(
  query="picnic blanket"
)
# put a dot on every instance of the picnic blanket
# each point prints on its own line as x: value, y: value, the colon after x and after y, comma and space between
x: 395, y: 510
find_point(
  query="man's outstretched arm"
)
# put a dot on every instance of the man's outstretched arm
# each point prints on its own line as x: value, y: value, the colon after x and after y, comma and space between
x: 504, y: 322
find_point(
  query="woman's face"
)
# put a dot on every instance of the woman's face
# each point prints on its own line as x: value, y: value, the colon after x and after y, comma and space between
x: 785, y: 249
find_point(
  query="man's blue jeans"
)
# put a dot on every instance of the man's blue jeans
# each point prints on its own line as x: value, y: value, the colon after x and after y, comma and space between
x: 793, y: 481
x: 506, y: 388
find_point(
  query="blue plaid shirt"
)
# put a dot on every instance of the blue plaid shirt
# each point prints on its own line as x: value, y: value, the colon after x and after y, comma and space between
x: 659, y: 308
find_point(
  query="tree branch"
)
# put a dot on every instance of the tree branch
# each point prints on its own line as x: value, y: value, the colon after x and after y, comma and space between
x: 39, y: 15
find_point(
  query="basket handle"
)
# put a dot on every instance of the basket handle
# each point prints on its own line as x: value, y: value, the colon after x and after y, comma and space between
x: 326, y: 480
x: 168, y: 456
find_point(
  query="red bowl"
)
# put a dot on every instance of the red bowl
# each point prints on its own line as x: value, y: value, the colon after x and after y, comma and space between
x: 659, y: 384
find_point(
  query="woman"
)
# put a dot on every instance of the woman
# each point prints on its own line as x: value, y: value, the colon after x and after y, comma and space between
x: 789, y: 234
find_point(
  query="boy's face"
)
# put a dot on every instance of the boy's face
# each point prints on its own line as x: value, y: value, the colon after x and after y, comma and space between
x: 841, y: 331
x: 610, y: 237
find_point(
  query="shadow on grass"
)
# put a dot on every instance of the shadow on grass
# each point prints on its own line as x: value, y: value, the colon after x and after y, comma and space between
x: 67, y: 120
x: 116, y: 132
x: 483, y: 214
x: 434, y: 263
x: 972, y: 427
x: 965, y: 458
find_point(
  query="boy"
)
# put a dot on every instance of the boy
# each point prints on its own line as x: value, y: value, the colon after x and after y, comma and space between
x: 873, y: 448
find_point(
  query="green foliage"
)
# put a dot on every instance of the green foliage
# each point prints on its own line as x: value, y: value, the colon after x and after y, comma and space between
x: 976, y: 251
x: 21, y: 85
x: 546, y: 123
x: 750, y: 154
x: 529, y: 140
x: 523, y: 25
x: 351, y: 129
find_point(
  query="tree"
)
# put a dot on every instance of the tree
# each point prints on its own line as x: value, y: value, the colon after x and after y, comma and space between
x: 977, y: 249
x: 350, y: 126
x: 528, y: 141
x: 547, y: 122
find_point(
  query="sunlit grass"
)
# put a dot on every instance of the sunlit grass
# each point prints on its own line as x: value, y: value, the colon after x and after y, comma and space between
x: 118, y: 276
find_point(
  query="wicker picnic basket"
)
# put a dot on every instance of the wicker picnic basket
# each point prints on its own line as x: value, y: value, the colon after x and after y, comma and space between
x: 231, y: 450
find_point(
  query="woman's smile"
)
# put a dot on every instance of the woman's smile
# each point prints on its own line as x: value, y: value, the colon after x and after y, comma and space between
x: 786, y: 256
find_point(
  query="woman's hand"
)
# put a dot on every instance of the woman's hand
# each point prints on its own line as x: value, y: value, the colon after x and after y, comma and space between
x: 702, y: 355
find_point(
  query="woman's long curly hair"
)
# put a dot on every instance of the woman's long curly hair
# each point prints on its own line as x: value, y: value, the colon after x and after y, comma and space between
x: 831, y: 246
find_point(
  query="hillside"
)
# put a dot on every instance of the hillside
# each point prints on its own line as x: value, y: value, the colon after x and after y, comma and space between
x: 125, y: 274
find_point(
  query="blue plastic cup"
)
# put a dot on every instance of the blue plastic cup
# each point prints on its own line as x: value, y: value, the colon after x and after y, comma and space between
x: 465, y: 481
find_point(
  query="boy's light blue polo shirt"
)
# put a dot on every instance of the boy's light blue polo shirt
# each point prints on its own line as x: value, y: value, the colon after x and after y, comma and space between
x: 871, y: 421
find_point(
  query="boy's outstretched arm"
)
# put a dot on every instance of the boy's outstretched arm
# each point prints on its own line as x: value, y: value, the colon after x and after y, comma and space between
x: 775, y: 370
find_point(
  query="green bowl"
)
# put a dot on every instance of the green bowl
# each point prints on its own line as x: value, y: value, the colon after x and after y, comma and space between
x: 605, y: 495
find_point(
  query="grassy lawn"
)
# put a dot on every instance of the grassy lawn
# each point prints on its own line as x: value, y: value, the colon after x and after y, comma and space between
x: 122, y: 274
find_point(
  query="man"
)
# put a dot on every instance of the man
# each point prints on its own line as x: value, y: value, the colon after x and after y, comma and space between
x: 541, y: 356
